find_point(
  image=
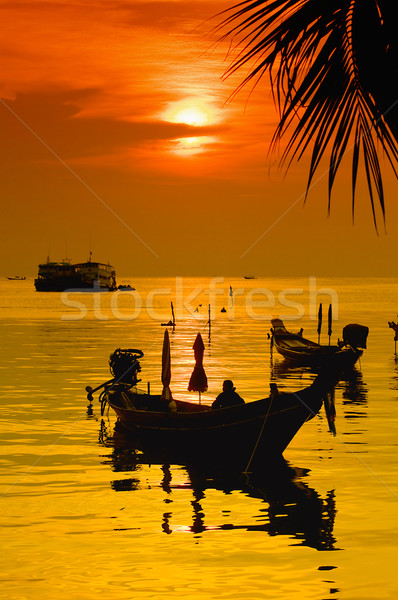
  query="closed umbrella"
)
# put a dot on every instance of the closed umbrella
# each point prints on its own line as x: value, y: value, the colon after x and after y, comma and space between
x: 166, y: 368
x: 198, y: 380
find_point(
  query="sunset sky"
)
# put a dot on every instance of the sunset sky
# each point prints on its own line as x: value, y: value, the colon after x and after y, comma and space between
x: 118, y: 136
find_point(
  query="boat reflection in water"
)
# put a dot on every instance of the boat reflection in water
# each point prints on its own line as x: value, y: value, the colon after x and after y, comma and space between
x: 354, y: 394
x: 353, y: 389
x: 291, y: 507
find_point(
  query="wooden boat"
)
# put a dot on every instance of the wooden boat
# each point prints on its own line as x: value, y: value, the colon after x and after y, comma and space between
x: 243, y: 435
x: 299, y: 350
x: 16, y: 278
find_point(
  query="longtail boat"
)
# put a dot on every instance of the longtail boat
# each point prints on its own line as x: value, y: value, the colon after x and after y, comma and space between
x: 301, y: 351
x: 251, y: 433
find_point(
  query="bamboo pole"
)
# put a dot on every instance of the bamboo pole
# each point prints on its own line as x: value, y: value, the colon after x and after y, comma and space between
x: 172, y: 312
x: 319, y: 322
x: 330, y: 322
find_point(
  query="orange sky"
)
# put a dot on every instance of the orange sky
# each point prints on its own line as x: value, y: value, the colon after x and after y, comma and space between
x: 93, y: 156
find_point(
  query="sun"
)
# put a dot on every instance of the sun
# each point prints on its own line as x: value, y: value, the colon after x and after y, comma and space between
x: 197, y: 113
x: 191, y: 115
x: 191, y: 112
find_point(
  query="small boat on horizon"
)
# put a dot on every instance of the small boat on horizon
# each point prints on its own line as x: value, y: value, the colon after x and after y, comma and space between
x: 16, y: 278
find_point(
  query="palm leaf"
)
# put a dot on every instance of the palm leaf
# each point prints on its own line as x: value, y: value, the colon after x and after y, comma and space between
x: 331, y: 94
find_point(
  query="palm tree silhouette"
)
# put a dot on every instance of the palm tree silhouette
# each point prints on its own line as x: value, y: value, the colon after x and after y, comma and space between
x: 333, y: 67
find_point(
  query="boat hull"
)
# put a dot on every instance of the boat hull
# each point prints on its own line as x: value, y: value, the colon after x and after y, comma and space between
x: 61, y: 284
x: 253, y: 433
x: 318, y: 356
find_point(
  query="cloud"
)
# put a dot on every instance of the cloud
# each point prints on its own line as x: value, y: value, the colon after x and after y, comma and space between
x: 175, y: 16
x: 54, y: 118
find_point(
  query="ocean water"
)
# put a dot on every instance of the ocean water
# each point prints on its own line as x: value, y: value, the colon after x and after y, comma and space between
x: 84, y: 517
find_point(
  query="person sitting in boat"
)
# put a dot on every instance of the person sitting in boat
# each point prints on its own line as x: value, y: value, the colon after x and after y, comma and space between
x: 228, y: 396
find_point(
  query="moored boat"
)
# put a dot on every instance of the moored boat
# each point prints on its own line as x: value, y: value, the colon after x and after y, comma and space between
x: 95, y: 273
x: 61, y: 276
x: 56, y: 276
x: 299, y: 350
x: 243, y: 435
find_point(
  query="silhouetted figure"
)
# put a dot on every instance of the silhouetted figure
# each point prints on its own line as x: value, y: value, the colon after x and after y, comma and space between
x: 228, y: 396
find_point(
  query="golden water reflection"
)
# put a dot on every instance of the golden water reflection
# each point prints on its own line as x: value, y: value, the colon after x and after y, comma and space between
x: 288, y: 505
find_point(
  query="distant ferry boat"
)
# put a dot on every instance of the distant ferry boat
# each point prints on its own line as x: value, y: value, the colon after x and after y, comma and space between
x: 61, y: 276
x: 16, y: 278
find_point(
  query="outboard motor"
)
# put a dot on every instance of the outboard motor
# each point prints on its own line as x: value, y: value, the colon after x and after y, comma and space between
x: 355, y: 335
x: 124, y: 365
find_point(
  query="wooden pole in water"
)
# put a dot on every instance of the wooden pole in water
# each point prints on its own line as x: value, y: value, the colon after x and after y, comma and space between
x: 319, y: 322
x: 209, y: 324
x: 172, y: 312
x: 330, y: 322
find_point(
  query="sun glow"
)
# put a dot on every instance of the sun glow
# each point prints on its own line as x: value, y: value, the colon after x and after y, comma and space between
x: 192, y: 115
x: 195, y: 113
x: 192, y: 145
x: 191, y: 112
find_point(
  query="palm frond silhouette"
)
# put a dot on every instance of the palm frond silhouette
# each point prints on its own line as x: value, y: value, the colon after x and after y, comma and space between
x: 333, y: 68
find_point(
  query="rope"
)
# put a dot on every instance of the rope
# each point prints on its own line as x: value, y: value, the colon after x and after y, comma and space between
x: 259, y: 435
x: 103, y: 400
